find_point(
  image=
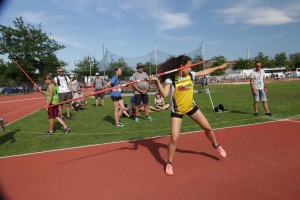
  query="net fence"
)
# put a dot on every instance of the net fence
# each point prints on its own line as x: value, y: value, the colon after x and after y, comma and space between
x: 154, y: 57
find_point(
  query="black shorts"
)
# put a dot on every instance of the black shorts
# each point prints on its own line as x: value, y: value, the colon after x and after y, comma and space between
x: 139, y: 98
x: 191, y: 112
x: 101, y: 95
x: 116, y: 98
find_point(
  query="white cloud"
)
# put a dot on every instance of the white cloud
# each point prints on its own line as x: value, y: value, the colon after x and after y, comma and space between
x: 255, y: 15
x: 68, y: 42
x: 190, y: 39
x: 270, y: 17
x: 40, y: 17
x: 173, y: 21
x: 196, y: 4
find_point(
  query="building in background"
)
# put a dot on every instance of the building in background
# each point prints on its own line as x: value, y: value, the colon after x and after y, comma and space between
x: 293, y: 56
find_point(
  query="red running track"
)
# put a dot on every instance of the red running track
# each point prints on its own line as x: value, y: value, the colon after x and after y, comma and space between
x: 14, y: 107
x: 262, y: 163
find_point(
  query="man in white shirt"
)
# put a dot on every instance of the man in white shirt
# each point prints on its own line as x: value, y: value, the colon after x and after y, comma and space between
x: 64, y: 91
x: 74, y: 84
x: 259, y: 88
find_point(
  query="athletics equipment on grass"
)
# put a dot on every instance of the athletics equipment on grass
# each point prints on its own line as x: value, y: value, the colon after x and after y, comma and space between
x: 219, y: 108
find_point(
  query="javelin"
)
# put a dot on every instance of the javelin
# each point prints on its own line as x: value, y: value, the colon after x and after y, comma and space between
x: 29, y: 78
x: 130, y: 83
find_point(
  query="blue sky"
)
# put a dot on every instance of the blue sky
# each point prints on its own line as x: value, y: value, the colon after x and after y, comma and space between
x: 131, y: 28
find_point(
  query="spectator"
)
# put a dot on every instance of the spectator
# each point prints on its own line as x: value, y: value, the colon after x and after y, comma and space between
x: 159, y: 102
x: 259, y: 88
x: 127, y: 110
x: 78, y: 102
x: 141, y: 107
x: 99, y: 84
x: 74, y: 84
x: 203, y: 81
x: 64, y: 92
x: 24, y: 88
x: 140, y: 91
x: 116, y: 97
x: 51, y: 100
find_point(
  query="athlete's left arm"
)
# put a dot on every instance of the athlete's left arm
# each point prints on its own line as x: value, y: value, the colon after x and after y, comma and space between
x: 210, y: 70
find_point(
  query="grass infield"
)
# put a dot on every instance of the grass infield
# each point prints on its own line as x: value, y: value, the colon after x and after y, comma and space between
x: 96, y: 125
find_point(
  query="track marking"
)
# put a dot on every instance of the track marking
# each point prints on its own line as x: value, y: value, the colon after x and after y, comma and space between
x: 93, y: 145
x: 23, y: 109
x: 22, y: 100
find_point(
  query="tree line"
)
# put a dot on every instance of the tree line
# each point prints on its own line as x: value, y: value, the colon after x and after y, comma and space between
x: 36, y: 52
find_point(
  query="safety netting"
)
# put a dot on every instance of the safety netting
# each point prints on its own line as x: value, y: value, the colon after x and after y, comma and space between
x: 154, y: 57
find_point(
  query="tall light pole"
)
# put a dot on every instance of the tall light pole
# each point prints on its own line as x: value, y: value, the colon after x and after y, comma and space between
x: 248, y: 57
x: 202, y: 51
x: 248, y: 53
x: 103, y: 60
x: 155, y: 58
x: 203, y: 54
x: 91, y: 63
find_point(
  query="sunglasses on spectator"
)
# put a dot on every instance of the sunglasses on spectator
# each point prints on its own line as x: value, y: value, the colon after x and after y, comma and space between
x: 60, y: 71
x: 140, y: 66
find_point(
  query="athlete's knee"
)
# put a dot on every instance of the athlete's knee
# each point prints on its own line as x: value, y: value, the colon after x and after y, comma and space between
x: 207, y: 130
x: 174, y: 140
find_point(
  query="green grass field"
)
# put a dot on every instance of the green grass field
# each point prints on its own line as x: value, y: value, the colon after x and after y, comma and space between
x: 96, y: 126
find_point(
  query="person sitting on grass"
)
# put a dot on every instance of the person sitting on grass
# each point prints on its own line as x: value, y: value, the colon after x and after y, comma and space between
x: 159, y: 102
x: 141, y: 107
x: 127, y: 111
x: 77, y: 104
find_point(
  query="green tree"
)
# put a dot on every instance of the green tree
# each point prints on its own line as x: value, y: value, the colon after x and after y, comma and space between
x: 265, y: 60
x: 149, y: 68
x: 85, y: 67
x: 242, y: 64
x: 219, y: 60
x: 296, y: 62
x: 31, y: 48
x: 3, y: 69
x: 197, y: 58
x: 126, y: 70
x: 280, y: 59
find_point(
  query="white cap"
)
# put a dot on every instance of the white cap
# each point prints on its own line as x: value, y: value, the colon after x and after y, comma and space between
x: 71, y: 76
x: 97, y: 74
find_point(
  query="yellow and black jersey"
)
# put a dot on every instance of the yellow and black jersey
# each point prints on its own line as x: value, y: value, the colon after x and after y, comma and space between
x: 181, y: 94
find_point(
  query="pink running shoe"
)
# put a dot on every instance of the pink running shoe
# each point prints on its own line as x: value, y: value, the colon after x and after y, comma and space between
x: 169, y: 169
x: 221, y: 151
